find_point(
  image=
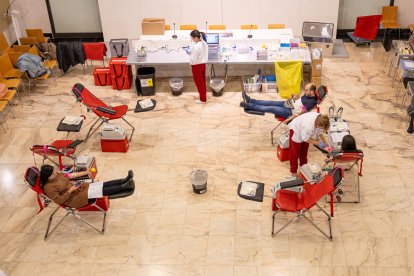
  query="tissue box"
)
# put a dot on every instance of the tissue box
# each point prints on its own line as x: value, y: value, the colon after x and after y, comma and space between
x: 153, y: 26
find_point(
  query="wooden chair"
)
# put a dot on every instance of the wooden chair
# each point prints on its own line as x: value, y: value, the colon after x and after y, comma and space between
x: 248, y: 27
x: 9, y: 98
x: 167, y: 27
x: 28, y: 40
x: 3, y: 106
x: 216, y: 27
x: 52, y: 63
x: 4, y: 45
x: 14, y: 56
x: 11, y: 83
x: 38, y: 33
x: 276, y: 26
x: 390, y: 19
x: 21, y: 48
x: 7, y: 69
x: 188, y: 27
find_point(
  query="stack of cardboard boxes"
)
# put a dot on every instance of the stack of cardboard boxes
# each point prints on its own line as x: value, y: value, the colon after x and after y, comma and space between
x: 317, y: 69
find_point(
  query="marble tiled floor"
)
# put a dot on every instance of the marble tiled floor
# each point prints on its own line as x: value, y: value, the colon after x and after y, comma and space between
x: 166, y: 229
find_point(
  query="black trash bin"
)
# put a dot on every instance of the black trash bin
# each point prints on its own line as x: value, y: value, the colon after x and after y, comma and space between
x: 145, y: 81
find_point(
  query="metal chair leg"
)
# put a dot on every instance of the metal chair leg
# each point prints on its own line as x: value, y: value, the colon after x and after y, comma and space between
x: 133, y: 128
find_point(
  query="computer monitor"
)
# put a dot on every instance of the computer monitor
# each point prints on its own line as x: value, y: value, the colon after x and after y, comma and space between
x: 212, y: 38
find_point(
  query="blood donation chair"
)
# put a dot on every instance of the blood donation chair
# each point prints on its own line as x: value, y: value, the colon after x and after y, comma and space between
x: 304, y: 200
x: 101, y: 205
x: 350, y: 159
x: 104, y: 112
x: 321, y: 94
x: 58, y: 148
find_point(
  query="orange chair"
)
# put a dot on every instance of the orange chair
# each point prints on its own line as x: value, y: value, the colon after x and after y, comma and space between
x: 216, y: 27
x: 7, y: 69
x: 167, y: 27
x: 301, y: 202
x: 248, y: 27
x: 276, y: 26
x: 390, y: 19
x: 11, y: 83
x: 4, y: 45
x: 38, y: 33
x: 21, y: 48
x: 188, y: 27
x: 28, y: 41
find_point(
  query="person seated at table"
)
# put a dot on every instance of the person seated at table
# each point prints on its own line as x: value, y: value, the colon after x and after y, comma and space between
x: 61, y: 190
x: 284, y: 109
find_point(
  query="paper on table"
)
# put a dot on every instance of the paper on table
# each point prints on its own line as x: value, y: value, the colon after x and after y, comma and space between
x: 248, y: 188
x: 146, y: 103
x: 72, y: 120
x: 95, y: 190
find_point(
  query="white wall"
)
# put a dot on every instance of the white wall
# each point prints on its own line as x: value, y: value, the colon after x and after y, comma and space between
x: 33, y: 14
x: 349, y: 10
x: 405, y: 12
x: 123, y: 18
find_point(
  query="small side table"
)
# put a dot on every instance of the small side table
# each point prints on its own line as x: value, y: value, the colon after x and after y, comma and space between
x: 69, y: 128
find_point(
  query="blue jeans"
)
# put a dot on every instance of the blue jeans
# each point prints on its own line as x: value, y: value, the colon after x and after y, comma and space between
x: 276, y: 107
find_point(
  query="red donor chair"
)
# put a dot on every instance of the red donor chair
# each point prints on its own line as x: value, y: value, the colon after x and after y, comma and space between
x: 304, y: 200
x: 103, y: 112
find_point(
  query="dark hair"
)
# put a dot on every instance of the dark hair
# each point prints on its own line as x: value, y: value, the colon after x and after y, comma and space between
x: 312, y: 87
x: 198, y: 34
x: 348, y: 143
x: 45, y: 172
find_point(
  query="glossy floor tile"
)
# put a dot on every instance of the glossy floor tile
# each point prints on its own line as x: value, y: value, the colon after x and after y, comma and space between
x: 166, y: 229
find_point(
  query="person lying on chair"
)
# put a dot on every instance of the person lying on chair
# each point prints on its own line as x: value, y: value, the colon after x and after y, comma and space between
x: 61, y: 190
x: 348, y: 144
x: 284, y: 109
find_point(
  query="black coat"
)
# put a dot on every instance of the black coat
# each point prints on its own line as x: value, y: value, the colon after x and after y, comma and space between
x: 70, y: 54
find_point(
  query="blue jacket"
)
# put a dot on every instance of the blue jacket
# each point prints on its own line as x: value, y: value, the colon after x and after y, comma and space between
x: 33, y: 65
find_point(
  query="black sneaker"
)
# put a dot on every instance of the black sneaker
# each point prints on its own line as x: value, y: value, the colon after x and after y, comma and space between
x: 246, y: 98
x: 243, y: 104
x: 410, y: 130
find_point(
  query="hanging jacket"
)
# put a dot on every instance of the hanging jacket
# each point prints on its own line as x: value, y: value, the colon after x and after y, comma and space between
x: 69, y: 54
x: 47, y: 50
x: 33, y: 65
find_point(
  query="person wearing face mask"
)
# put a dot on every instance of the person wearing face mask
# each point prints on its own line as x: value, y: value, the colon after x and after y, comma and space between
x: 302, y: 131
x: 198, y: 59
x: 284, y: 109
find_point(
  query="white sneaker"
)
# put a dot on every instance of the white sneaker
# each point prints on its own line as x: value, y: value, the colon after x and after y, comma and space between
x: 199, y: 102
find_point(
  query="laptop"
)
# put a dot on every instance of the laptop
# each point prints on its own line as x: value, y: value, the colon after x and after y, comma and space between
x: 212, y: 38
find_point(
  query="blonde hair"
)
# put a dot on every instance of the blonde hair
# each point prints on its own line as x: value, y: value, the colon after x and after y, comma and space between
x: 322, y: 121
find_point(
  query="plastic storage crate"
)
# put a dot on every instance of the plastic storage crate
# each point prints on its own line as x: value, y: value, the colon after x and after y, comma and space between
x: 269, y: 84
x: 249, y: 85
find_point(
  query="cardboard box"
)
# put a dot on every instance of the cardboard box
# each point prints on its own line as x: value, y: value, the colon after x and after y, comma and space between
x: 317, y: 67
x: 317, y: 81
x: 153, y: 26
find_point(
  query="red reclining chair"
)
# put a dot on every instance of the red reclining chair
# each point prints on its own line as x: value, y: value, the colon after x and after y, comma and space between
x: 104, y: 112
x: 59, y: 148
x: 321, y: 94
x: 301, y: 202
x: 32, y: 178
x: 350, y: 159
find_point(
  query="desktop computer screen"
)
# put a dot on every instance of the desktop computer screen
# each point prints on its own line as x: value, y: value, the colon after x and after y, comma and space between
x: 212, y: 38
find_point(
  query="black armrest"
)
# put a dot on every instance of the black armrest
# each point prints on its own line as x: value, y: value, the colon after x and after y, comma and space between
x: 253, y: 112
x: 106, y: 110
x: 291, y: 183
x: 74, y: 143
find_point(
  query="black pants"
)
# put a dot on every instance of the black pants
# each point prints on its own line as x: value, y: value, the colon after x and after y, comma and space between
x: 114, y: 186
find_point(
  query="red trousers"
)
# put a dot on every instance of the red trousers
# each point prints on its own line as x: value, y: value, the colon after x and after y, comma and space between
x: 199, y: 76
x: 297, y: 151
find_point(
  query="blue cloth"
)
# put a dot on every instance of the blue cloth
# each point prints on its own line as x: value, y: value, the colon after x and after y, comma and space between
x: 275, y: 107
x: 278, y: 107
x: 32, y: 64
